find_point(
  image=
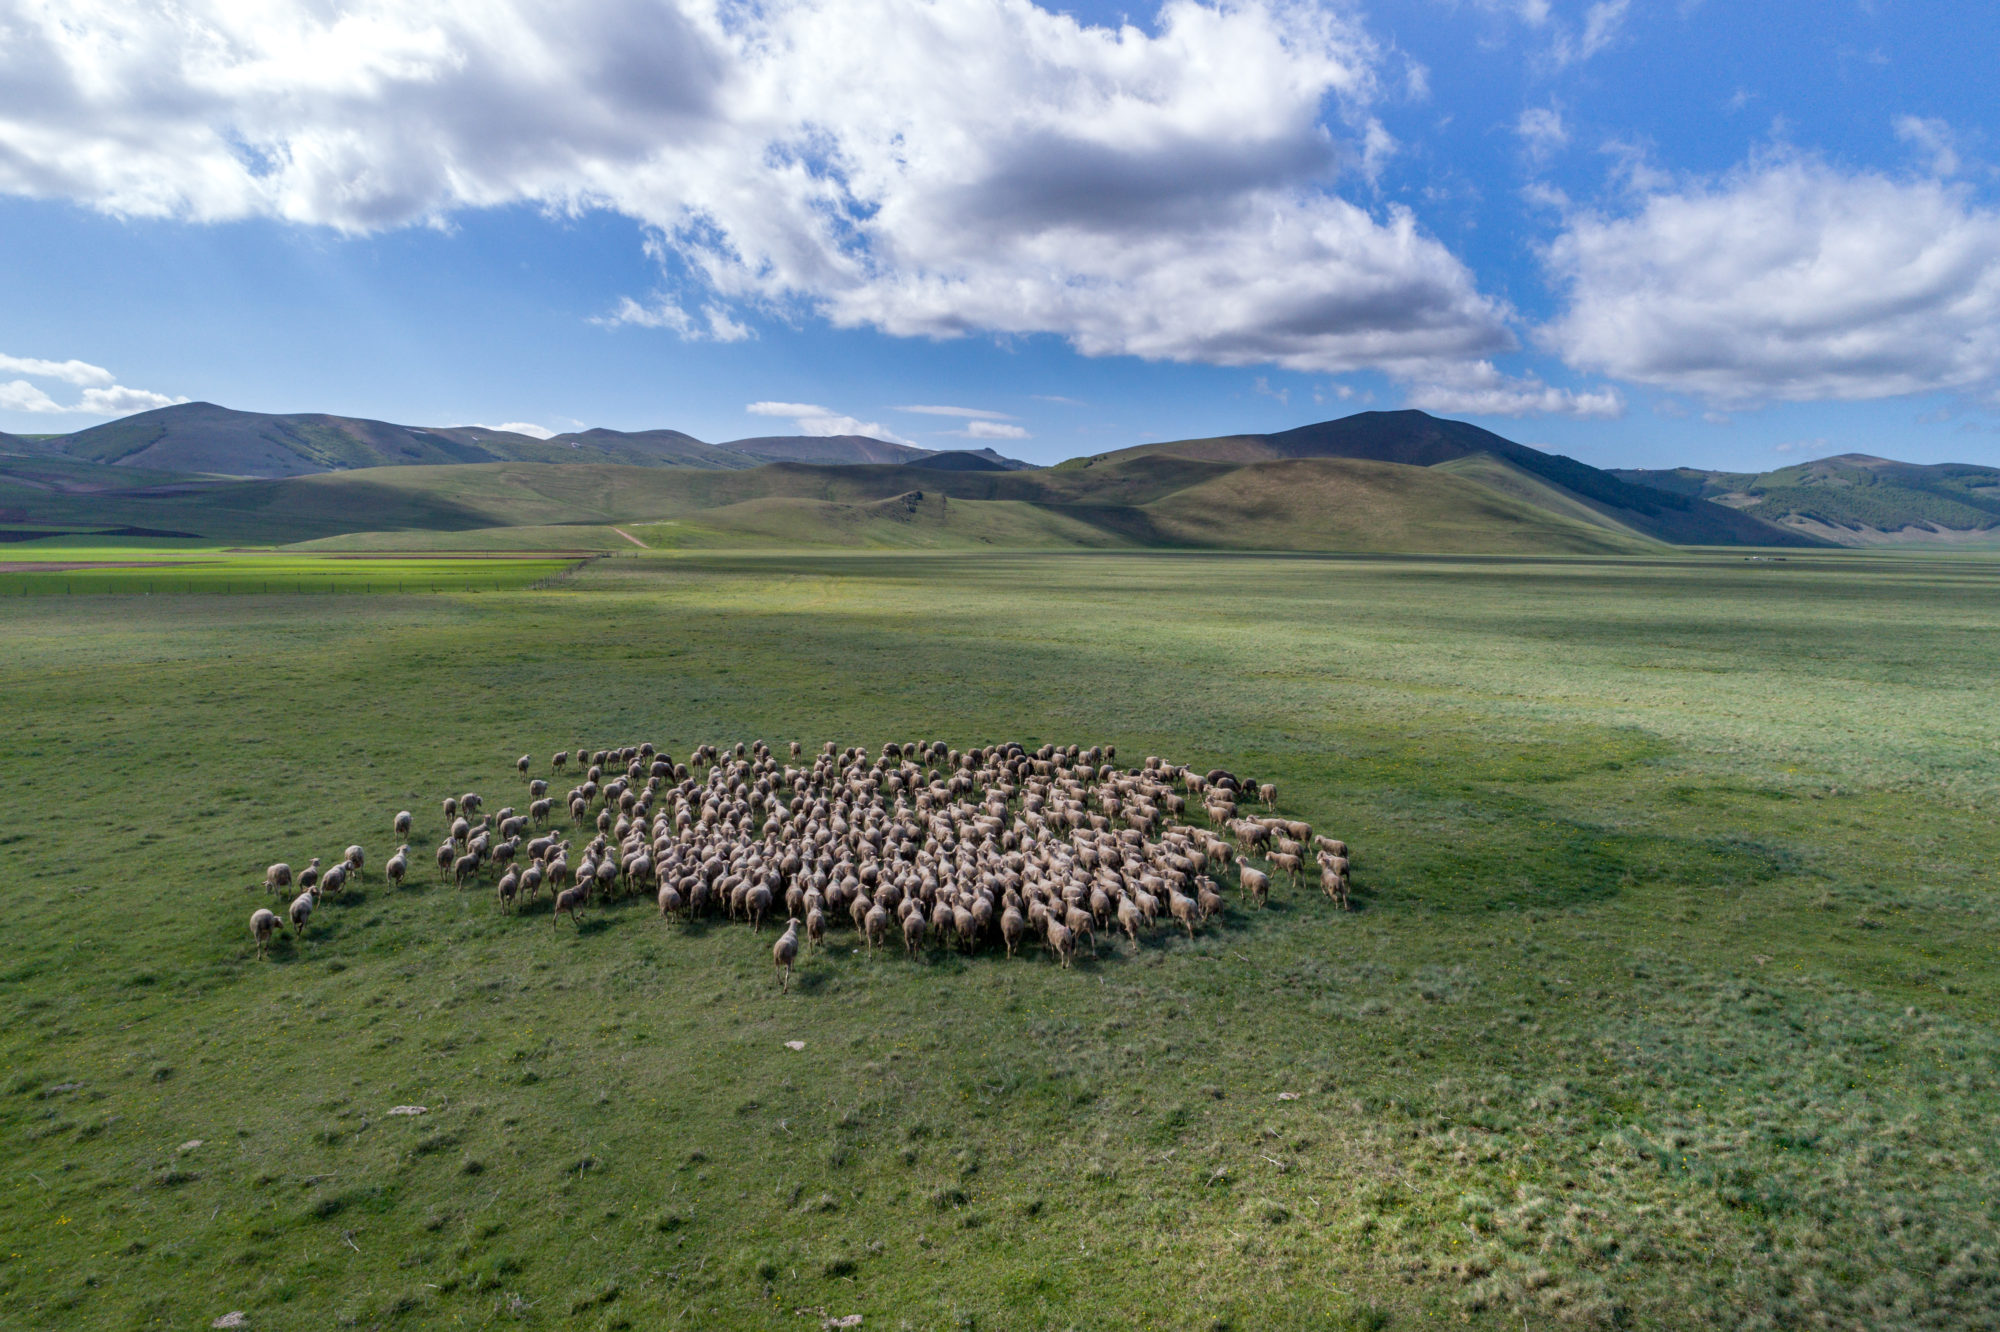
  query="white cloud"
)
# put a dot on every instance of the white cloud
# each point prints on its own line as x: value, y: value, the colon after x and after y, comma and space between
x: 959, y: 167
x: 21, y: 396
x: 81, y: 373
x: 1787, y: 281
x: 969, y: 413
x: 812, y: 419
x: 102, y: 394
x: 1801, y: 446
x: 1542, y: 132
x: 1934, y: 139
x: 528, y: 428
x: 1480, y: 389
x: 715, y: 325
x: 994, y: 430
x: 121, y: 401
x: 1262, y: 388
x: 1059, y: 400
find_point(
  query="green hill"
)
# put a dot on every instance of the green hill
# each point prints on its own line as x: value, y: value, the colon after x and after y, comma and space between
x: 200, y: 438
x: 1854, y: 499
x: 1417, y: 439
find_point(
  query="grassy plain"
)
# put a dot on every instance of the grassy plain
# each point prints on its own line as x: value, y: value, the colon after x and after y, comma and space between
x: 67, y: 569
x: 1670, y: 1001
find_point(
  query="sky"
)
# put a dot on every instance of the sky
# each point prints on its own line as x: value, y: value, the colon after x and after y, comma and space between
x: 1638, y: 232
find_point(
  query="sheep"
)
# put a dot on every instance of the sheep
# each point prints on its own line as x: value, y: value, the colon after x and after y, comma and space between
x: 1256, y: 884
x: 569, y: 902
x: 404, y: 822
x: 669, y: 898
x: 1268, y: 794
x: 914, y: 925
x: 537, y: 788
x: 309, y: 876
x: 263, y: 924
x: 504, y: 891
x: 523, y: 764
x: 355, y: 858
x: 398, y: 866
x: 816, y: 927
x: 1061, y: 943
x: 1183, y: 909
x: 757, y: 902
x: 785, y: 952
x: 334, y: 882
x: 446, y: 854
x: 560, y: 761
x: 469, y: 803
x: 450, y: 805
x: 463, y: 868
x: 1288, y: 861
x: 876, y: 926
x: 1013, y: 928
x: 1207, y: 898
x: 301, y: 912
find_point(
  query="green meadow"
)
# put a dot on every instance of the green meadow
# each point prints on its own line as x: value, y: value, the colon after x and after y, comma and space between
x: 29, y: 569
x: 1669, y: 1000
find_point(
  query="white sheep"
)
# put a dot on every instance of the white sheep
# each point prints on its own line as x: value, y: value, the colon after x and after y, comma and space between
x: 263, y: 924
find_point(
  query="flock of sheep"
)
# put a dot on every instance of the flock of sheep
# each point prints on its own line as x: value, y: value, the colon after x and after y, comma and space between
x: 1002, y: 844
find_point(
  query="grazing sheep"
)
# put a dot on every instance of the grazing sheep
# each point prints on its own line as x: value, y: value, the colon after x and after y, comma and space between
x: 1288, y: 861
x: 450, y: 806
x: 522, y: 763
x: 1183, y: 909
x: 1061, y: 943
x: 277, y: 878
x: 1256, y: 883
x: 1267, y: 794
x: 446, y: 854
x: 263, y: 924
x: 569, y: 902
x: 355, y: 858
x: 785, y: 952
x: 537, y: 788
x: 334, y: 882
x: 301, y: 912
x: 309, y: 876
x: 398, y: 866
x: 404, y: 822
x: 509, y: 884
x: 465, y: 868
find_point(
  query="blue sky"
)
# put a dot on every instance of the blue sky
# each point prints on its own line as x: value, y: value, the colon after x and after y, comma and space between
x: 1638, y: 233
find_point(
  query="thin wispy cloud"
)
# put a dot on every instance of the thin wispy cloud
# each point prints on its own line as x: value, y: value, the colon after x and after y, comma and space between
x: 967, y: 413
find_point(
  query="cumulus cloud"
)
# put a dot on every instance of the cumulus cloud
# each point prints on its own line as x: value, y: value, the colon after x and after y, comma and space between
x: 812, y: 419
x: 102, y: 394
x: 81, y: 373
x: 959, y: 167
x: 20, y: 396
x: 1787, y: 281
x: 1481, y: 389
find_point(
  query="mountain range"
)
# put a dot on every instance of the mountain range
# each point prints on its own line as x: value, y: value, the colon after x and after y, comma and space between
x: 1853, y: 499
x: 1398, y: 480
x: 200, y: 438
